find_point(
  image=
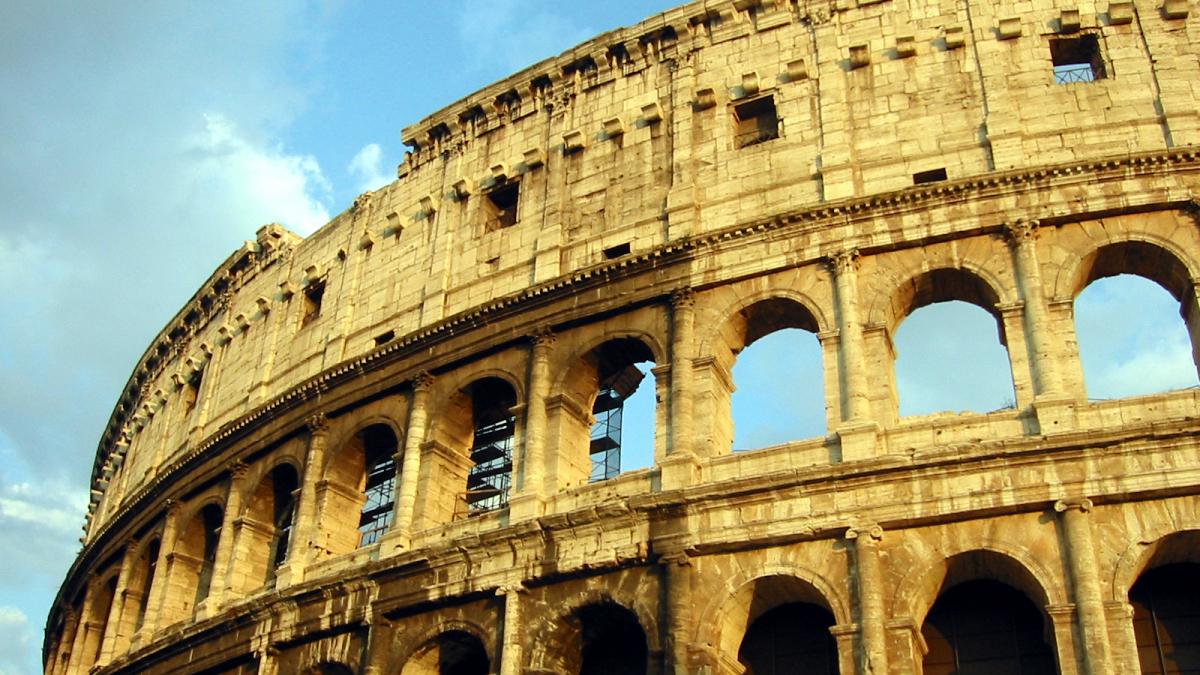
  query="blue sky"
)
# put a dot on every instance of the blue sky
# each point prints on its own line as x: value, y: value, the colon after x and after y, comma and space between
x: 144, y: 141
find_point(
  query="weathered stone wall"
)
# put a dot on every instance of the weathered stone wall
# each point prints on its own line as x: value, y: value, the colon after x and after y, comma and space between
x: 240, y: 433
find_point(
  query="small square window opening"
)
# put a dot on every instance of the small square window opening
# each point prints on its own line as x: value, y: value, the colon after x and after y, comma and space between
x: 755, y: 121
x: 616, y: 251
x: 1076, y: 59
x: 313, y: 295
x: 500, y: 206
x: 931, y: 176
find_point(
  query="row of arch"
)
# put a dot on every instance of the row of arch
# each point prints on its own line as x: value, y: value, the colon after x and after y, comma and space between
x: 471, y: 437
x: 989, y: 614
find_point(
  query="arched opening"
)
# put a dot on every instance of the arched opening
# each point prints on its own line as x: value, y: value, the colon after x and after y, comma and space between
x: 454, y: 652
x: 265, y: 534
x: 1132, y: 339
x: 791, y: 638
x: 982, y: 626
x: 493, y: 432
x: 1166, y: 619
x: 328, y: 668
x: 147, y: 566
x: 101, y: 607
x: 611, y: 641
x: 951, y: 350
x: 359, y: 489
x: 775, y: 360
x: 193, y: 561
x: 779, y: 624
x: 379, y: 483
x: 623, y: 407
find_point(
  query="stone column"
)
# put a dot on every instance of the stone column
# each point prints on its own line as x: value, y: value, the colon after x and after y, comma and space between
x: 306, y: 525
x: 83, y: 650
x: 1122, y: 640
x: 224, y: 559
x: 414, y: 438
x: 112, y: 630
x: 511, y: 652
x: 856, y: 406
x: 857, y: 433
x: 156, y: 598
x: 844, y: 636
x: 1054, y: 407
x: 533, y: 480
x: 62, y: 650
x: 1085, y: 579
x: 679, y: 611
x: 872, y: 656
x: 1022, y: 235
x: 683, y: 316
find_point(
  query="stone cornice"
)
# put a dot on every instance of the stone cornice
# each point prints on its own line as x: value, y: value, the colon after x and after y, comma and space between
x: 814, y: 218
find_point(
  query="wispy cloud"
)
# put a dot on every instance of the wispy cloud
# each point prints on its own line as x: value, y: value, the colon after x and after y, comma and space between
x: 367, y: 168
x: 515, y: 34
x: 16, y: 640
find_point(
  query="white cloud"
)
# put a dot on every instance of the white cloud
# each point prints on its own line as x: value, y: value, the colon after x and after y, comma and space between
x: 367, y: 167
x: 16, y: 642
x: 259, y: 182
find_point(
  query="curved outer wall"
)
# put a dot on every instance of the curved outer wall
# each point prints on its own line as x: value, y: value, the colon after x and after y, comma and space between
x: 651, y: 208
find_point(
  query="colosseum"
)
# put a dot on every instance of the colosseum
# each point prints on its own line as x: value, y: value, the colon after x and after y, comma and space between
x: 394, y: 446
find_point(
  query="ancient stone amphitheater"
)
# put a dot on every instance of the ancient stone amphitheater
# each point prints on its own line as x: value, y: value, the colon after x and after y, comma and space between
x: 393, y: 446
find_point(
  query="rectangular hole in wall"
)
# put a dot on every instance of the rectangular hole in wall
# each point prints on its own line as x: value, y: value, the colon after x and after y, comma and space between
x: 313, y: 294
x: 500, y: 206
x: 755, y: 121
x: 616, y: 251
x: 384, y: 338
x: 930, y: 176
x: 1076, y: 59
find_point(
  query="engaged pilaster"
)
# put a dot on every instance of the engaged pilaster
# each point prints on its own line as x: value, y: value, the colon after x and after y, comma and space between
x: 872, y: 654
x: 112, y: 632
x: 680, y: 466
x: 511, y: 652
x: 858, y: 430
x: 306, y: 509
x: 406, y: 498
x: 1089, y: 602
x: 161, y: 581
x: 1054, y: 407
x: 531, y: 482
x: 224, y: 558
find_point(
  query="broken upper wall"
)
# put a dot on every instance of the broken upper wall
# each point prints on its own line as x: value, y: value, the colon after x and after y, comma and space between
x: 709, y: 116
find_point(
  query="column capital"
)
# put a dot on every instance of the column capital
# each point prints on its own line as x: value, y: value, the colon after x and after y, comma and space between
x: 543, y: 338
x: 1021, y: 230
x: 868, y: 533
x: 511, y: 589
x: 172, y: 506
x: 317, y: 424
x: 843, y: 262
x: 683, y: 298
x: 680, y: 559
x: 238, y: 469
x: 1081, y: 504
x: 422, y: 381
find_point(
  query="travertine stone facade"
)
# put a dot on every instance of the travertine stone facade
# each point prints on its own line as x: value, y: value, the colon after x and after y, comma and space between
x: 670, y: 193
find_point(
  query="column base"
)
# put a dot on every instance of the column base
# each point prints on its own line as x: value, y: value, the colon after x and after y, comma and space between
x: 526, y: 507
x: 679, y: 471
x: 858, y: 441
x: 1055, y: 413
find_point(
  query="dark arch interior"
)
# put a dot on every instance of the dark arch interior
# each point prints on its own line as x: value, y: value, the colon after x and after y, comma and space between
x: 613, y: 642
x: 1166, y: 619
x: 494, y: 424
x: 791, y: 638
x: 460, y: 653
x: 379, y: 487
x: 767, y: 316
x: 211, y: 516
x: 284, y: 483
x: 1141, y: 259
x: 985, y: 627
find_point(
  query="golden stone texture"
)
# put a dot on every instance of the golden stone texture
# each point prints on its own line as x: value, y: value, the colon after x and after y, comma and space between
x: 655, y: 206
